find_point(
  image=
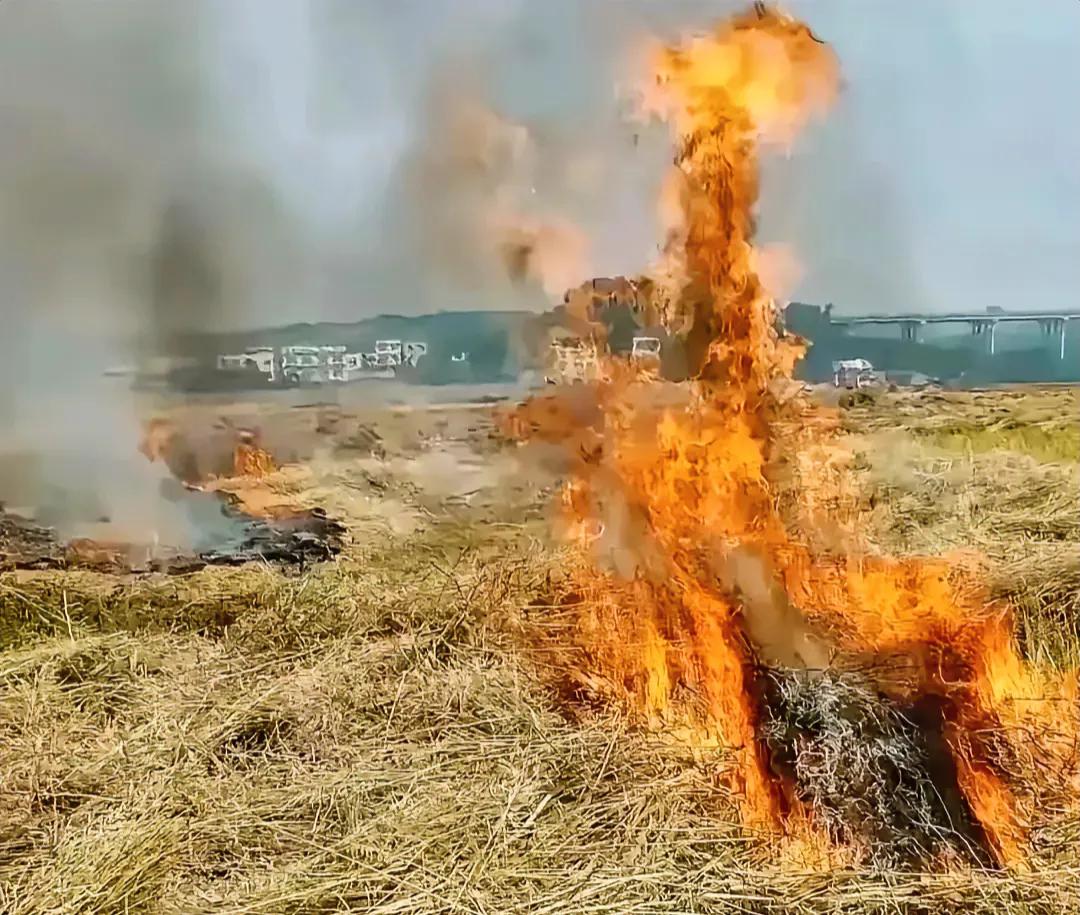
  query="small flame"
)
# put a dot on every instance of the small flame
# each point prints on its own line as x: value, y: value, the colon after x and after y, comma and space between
x: 250, y: 460
x: 162, y: 441
x: 157, y: 438
x: 691, y: 572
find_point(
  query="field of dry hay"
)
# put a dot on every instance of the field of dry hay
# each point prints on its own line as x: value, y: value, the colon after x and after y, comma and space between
x: 373, y: 735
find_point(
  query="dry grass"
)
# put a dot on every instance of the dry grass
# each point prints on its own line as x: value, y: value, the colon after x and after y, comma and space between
x: 372, y: 737
x: 1018, y: 510
x: 1044, y: 424
x: 398, y: 758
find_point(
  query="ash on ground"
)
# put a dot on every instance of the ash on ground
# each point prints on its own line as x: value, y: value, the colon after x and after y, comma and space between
x: 228, y: 537
x: 874, y: 775
x: 296, y: 538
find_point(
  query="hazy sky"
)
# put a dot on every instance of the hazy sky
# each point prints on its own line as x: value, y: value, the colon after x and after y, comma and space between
x: 947, y: 177
x: 953, y: 158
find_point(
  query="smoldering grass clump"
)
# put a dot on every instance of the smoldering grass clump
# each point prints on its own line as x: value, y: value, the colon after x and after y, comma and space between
x: 874, y: 776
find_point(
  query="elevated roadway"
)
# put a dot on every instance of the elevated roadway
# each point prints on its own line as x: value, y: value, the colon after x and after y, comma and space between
x: 1053, y: 324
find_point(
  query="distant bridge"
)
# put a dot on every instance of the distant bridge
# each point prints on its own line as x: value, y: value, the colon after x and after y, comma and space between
x: 984, y: 324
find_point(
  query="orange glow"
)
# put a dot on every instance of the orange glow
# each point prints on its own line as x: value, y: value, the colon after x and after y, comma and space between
x: 691, y: 572
x: 163, y: 442
x: 249, y: 460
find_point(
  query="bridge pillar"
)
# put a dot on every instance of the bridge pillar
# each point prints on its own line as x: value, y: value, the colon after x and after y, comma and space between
x: 987, y: 329
x: 1052, y: 327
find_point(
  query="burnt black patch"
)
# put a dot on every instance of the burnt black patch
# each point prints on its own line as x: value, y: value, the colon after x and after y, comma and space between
x: 297, y: 538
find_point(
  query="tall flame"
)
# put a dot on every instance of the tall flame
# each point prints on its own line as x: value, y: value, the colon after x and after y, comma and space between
x: 692, y: 572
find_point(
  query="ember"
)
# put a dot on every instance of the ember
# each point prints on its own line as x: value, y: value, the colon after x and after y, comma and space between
x: 696, y: 582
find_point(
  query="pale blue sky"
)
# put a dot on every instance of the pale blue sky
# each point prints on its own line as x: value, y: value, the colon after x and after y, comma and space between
x: 949, y: 175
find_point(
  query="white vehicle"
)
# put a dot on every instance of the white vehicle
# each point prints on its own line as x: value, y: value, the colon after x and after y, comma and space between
x: 852, y: 373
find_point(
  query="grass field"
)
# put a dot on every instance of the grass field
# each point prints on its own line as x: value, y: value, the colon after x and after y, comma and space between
x: 376, y: 735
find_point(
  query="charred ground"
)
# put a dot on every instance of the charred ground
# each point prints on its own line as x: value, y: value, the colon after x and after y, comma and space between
x: 386, y: 733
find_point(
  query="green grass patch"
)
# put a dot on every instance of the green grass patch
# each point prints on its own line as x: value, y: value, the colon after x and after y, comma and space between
x: 1051, y: 443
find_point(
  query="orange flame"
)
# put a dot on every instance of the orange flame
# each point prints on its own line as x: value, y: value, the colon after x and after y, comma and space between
x: 690, y: 574
x: 249, y: 460
x: 162, y: 441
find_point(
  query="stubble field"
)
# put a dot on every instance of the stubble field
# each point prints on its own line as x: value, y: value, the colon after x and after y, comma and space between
x: 383, y: 733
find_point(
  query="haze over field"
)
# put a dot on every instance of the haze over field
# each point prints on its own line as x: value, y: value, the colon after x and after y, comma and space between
x: 277, y: 154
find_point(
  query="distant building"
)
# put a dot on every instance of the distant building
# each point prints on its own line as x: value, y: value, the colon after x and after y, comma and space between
x: 256, y: 360
x: 316, y: 365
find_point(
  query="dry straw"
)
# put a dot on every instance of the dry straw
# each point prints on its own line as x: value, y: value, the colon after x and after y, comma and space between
x: 371, y: 737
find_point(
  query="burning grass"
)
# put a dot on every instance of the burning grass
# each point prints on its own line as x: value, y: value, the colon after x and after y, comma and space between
x: 386, y: 734
x: 707, y: 702
x: 698, y: 581
x: 692, y: 579
x: 378, y: 735
x: 1017, y: 511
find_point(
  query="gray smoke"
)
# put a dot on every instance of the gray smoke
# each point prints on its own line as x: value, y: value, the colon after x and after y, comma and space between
x: 839, y: 210
x: 168, y: 169
x: 554, y: 151
x: 126, y: 223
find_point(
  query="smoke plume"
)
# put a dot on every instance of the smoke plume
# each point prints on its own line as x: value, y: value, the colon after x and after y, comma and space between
x: 171, y: 169
x: 124, y: 229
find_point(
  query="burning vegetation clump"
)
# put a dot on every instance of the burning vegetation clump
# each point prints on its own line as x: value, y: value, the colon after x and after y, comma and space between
x: 249, y: 459
x: 879, y: 702
x: 162, y: 441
